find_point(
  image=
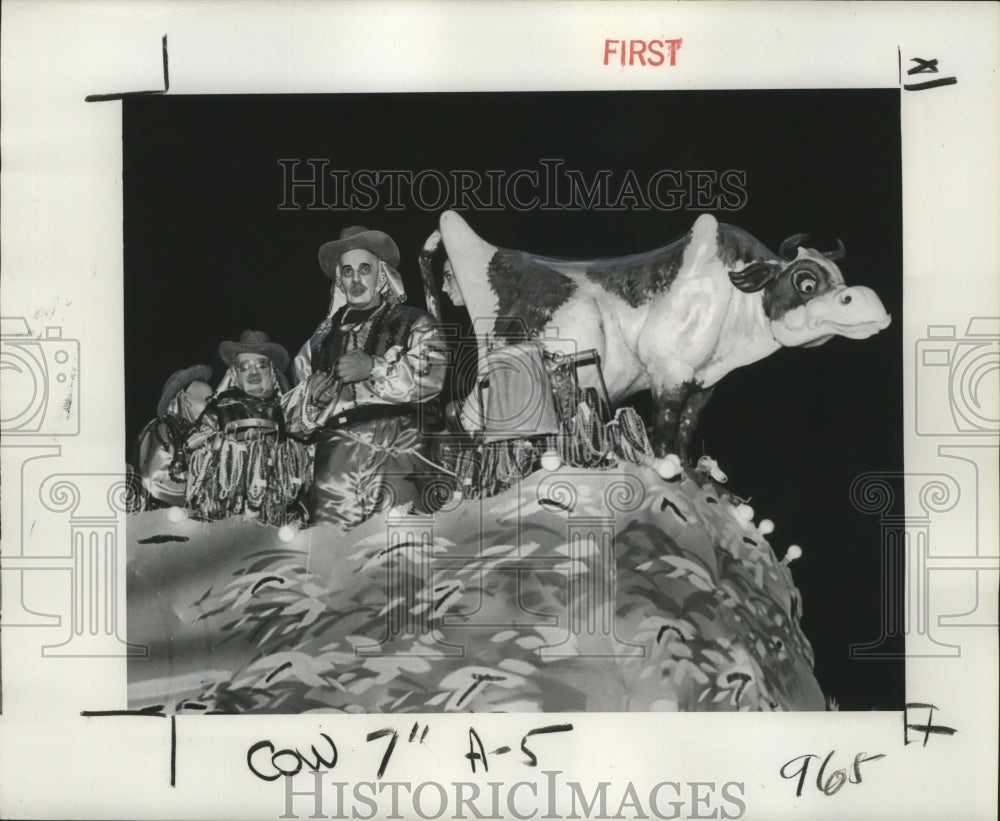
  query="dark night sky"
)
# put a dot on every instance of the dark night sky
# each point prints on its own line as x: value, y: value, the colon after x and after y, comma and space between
x: 208, y: 253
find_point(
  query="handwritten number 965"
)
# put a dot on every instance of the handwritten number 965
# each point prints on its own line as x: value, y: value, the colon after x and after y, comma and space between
x: 827, y: 784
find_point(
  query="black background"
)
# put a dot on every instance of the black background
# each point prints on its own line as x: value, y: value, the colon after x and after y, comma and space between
x: 208, y: 254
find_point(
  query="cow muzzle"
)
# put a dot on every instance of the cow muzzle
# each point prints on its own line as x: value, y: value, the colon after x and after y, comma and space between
x: 855, y: 312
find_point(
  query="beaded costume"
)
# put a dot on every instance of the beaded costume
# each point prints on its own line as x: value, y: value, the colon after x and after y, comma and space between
x: 242, y: 460
x: 369, y: 447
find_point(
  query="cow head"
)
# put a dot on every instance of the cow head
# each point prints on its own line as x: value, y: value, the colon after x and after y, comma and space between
x: 807, y: 301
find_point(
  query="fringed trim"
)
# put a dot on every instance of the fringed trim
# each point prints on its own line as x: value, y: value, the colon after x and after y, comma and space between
x: 257, y: 476
x: 588, y: 442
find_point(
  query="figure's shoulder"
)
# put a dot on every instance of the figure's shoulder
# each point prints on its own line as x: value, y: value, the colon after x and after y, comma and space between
x: 227, y: 397
x: 158, y: 427
x: 410, y: 315
x: 408, y: 311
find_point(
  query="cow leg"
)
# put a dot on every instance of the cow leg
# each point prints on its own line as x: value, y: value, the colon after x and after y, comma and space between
x: 688, y: 423
x: 667, y: 407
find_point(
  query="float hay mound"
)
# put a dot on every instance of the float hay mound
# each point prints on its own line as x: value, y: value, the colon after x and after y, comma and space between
x: 576, y: 591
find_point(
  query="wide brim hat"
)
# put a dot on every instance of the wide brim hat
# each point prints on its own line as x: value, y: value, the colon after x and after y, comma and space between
x: 255, y: 342
x: 357, y: 236
x: 178, y: 381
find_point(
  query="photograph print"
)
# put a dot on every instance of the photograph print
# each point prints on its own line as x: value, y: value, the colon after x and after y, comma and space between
x: 517, y: 402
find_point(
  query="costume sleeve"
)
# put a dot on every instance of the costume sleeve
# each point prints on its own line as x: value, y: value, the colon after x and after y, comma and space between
x: 302, y: 365
x: 206, y: 430
x: 301, y: 415
x: 414, y: 372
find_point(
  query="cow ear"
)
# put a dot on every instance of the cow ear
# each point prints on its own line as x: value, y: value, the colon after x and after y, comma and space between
x: 755, y: 276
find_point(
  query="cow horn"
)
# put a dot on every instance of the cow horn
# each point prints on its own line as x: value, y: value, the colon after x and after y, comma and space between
x: 790, y: 244
x: 837, y: 254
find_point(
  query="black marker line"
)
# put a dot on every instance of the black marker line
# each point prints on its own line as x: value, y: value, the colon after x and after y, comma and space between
x: 147, y: 712
x: 156, y: 712
x: 166, y: 65
x: 944, y: 81
x: 552, y: 728
x: 472, y: 755
x: 377, y: 734
x: 923, y: 66
x: 103, y: 98
x: 163, y: 539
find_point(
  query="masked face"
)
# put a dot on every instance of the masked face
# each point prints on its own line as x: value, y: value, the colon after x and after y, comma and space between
x: 193, y: 398
x: 450, y: 285
x: 359, y: 277
x: 254, y: 374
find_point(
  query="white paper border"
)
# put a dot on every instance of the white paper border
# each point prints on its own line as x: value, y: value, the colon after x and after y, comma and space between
x: 61, y: 235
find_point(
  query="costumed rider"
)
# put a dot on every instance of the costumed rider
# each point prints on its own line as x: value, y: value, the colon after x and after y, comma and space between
x: 367, y: 379
x: 241, y: 458
x: 159, y: 458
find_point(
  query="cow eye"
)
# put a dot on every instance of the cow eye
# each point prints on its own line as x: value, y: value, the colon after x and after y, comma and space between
x: 805, y: 283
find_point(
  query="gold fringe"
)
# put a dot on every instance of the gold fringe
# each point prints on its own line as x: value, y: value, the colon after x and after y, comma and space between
x: 257, y: 476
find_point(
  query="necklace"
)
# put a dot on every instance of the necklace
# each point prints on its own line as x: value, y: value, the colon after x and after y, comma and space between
x: 363, y: 333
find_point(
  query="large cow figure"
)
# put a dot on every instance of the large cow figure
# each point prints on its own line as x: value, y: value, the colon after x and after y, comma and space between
x: 674, y: 320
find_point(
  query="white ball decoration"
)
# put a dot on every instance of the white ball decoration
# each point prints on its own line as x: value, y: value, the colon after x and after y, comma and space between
x: 765, y: 527
x: 287, y: 532
x: 177, y: 514
x: 666, y: 467
x: 551, y: 460
x: 744, y: 513
x: 706, y: 464
x: 794, y: 552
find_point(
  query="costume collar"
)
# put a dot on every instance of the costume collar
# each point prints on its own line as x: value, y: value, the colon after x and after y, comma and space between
x: 242, y: 396
x: 347, y: 315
